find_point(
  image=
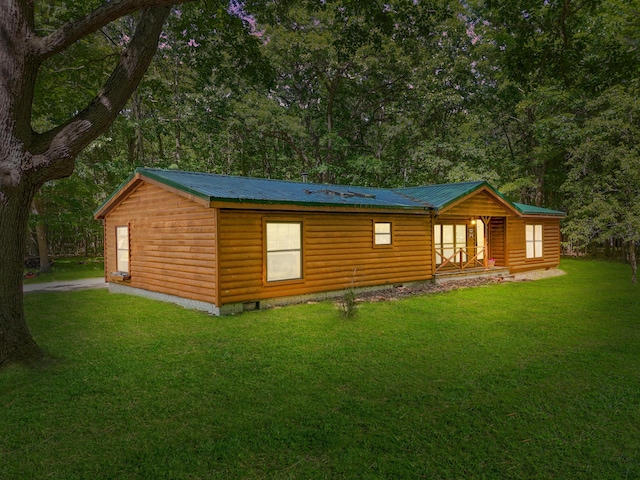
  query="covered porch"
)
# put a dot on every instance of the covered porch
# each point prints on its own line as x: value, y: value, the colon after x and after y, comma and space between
x: 469, y: 246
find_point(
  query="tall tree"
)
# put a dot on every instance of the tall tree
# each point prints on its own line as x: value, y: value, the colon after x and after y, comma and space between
x: 537, y: 55
x: 29, y: 158
x: 603, y: 185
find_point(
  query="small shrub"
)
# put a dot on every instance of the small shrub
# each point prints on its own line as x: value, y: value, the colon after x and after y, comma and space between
x: 347, y: 305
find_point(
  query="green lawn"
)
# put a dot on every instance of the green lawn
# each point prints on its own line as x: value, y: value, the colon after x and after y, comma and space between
x: 69, y: 268
x: 531, y: 380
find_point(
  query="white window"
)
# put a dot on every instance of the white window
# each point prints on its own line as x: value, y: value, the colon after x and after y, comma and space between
x: 382, y: 233
x: 284, y: 251
x: 450, y: 242
x: 534, y: 241
x: 122, y: 249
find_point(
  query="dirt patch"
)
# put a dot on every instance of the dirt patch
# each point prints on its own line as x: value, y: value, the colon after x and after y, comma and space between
x: 407, y: 291
x: 537, y: 275
x: 396, y: 293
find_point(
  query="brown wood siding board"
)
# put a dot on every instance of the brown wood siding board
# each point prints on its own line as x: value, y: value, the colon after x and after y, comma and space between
x: 379, y: 263
x: 174, y: 237
x: 204, y: 253
x: 250, y: 275
x: 248, y: 248
x: 343, y: 249
x: 178, y: 257
x: 392, y: 274
x: 338, y: 229
x: 143, y: 210
x: 179, y: 268
x: 178, y: 232
x: 170, y: 265
x: 204, y: 221
x: 175, y: 284
x: 375, y: 260
x: 172, y: 275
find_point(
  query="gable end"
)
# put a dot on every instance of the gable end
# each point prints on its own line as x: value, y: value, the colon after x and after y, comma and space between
x: 482, y: 201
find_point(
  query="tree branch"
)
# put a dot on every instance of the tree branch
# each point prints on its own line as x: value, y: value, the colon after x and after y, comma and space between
x: 74, y: 30
x: 54, y: 151
x: 285, y: 137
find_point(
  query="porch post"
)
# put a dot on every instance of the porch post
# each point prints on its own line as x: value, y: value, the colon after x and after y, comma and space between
x: 485, y: 223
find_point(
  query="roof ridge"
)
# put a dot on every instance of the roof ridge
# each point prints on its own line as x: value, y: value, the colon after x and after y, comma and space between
x: 469, y: 182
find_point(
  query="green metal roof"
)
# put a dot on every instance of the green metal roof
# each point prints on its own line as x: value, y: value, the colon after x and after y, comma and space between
x: 533, y: 210
x: 259, y: 190
x: 441, y: 195
x: 213, y: 187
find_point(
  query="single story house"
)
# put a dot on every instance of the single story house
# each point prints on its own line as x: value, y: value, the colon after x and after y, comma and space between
x: 225, y: 244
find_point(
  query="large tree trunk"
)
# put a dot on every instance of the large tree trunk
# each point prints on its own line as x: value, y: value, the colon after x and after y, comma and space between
x: 16, y: 343
x: 27, y: 158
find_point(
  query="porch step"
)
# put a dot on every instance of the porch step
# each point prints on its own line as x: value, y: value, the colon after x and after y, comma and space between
x: 457, y: 275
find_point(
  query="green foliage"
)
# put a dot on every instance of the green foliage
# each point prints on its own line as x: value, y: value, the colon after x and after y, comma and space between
x: 358, y: 92
x: 603, y: 184
x: 529, y: 380
x: 541, y: 43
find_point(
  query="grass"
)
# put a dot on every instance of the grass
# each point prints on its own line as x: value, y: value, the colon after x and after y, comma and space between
x: 69, y: 268
x: 533, y: 380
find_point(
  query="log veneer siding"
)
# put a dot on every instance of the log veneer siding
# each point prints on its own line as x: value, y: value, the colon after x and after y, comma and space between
x: 479, y: 204
x: 516, y: 240
x: 336, y: 249
x: 172, y: 243
x: 496, y: 240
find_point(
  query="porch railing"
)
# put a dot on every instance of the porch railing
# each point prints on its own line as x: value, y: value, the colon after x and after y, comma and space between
x: 462, y: 258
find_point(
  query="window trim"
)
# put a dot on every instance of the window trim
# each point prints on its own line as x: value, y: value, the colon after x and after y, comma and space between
x: 375, y: 234
x: 265, y: 262
x: 533, y: 242
x: 119, y: 250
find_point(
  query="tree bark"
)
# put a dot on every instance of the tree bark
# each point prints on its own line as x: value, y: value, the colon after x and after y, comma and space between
x: 16, y: 343
x: 29, y: 159
x: 136, y: 105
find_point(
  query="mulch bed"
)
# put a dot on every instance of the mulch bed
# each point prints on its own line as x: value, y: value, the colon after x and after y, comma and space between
x: 407, y: 291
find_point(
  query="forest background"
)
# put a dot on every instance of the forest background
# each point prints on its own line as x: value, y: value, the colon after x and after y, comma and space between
x: 539, y: 98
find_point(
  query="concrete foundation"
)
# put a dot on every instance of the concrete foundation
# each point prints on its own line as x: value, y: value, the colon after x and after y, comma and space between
x: 235, y: 308
x: 183, y: 302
